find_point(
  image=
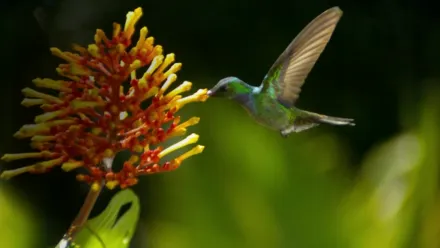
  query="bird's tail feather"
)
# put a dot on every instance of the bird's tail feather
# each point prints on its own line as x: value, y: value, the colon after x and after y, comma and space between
x: 318, y: 118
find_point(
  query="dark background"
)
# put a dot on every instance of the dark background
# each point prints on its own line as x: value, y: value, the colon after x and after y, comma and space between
x: 382, y: 62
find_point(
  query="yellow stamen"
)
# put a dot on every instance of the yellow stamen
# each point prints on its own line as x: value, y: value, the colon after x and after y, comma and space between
x: 78, y: 104
x: 68, y: 75
x: 39, y: 166
x: 99, y: 36
x: 138, y: 148
x: 174, y: 68
x: 133, y: 159
x: 135, y: 65
x: 131, y: 20
x: 157, y: 50
x: 52, y: 84
x: 112, y: 184
x: 11, y: 157
x: 69, y: 57
x: 29, y: 102
x: 35, y: 94
x: 12, y: 173
x: 142, y: 36
x: 177, y: 132
x: 95, y: 186
x: 157, y: 61
x: 79, y: 70
x: 196, y: 150
x: 133, y: 74
x: 148, y: 44
x: 60, y: 123
x: 120, y: 48
x: 137, y: 123
x: 108, y: 153
x: 173, y: 102
x: 83, y: 117
x: 96, y: 130
x: 71, y: 165
x: 79, y: 49
x: 50, y: 115
x: 116, y: 29
x: 199, y: 96
x: 168, y: 60
x: 41, y: 128
x: 191, y: 139
x: 94, y: 50
x: 48, y: 164
x: 31, y: 130
x: 122, y: 90
x: 153, y: 91
x: 192, y: 121
x: 146, y: 147
x: 93, y: 92
x: 171, y: 79
x: 185, y: 86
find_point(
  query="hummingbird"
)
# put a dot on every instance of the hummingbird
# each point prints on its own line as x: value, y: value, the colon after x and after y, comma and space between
x: 272, y: 104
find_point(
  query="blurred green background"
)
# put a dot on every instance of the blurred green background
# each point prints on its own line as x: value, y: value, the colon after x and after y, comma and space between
x: 374, y: 185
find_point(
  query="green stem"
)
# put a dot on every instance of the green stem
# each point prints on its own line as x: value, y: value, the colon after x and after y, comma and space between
x: 83, y: 215
x: 84, y: 212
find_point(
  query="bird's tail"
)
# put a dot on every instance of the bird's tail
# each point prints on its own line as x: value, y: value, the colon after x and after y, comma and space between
x: 318, y: 118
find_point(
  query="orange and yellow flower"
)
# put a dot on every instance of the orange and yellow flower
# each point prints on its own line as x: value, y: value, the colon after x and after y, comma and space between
x: 98, y: 111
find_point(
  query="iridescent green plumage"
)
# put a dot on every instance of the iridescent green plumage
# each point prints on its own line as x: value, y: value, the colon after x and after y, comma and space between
x: 272, y: 104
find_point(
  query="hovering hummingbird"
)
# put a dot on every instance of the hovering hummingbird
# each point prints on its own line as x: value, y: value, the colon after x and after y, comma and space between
x: 272, y: 104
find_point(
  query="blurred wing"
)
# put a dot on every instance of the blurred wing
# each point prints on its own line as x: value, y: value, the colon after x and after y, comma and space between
x: 290, y: 70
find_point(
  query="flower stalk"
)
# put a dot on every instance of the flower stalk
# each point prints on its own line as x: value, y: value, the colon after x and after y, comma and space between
x: 84, y: 212
x: 89, y: 203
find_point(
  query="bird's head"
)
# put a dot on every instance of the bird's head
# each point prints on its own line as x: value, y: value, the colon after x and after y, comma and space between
x: 229, y: 87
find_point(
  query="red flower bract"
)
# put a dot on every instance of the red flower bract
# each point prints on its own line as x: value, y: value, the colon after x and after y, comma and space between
x: 95, y: 116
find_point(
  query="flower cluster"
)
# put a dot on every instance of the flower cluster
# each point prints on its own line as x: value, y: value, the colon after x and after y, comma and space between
x: 98, y: 111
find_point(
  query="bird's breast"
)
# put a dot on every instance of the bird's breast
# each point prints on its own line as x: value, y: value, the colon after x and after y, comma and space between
x: 268, y: 112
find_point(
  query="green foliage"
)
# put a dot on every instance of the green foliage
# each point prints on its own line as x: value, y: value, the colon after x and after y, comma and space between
x: 107, y: 230
x: 17, y: 222
x: 252, y: 188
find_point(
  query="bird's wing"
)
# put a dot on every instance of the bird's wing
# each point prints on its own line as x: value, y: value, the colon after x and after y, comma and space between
x: 288, y: 73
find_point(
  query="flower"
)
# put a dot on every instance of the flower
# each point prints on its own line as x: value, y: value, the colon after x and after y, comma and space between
x: 98, y: 111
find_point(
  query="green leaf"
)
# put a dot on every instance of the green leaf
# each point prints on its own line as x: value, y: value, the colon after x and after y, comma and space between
x: 107, y: 230
x: 18, y: 226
